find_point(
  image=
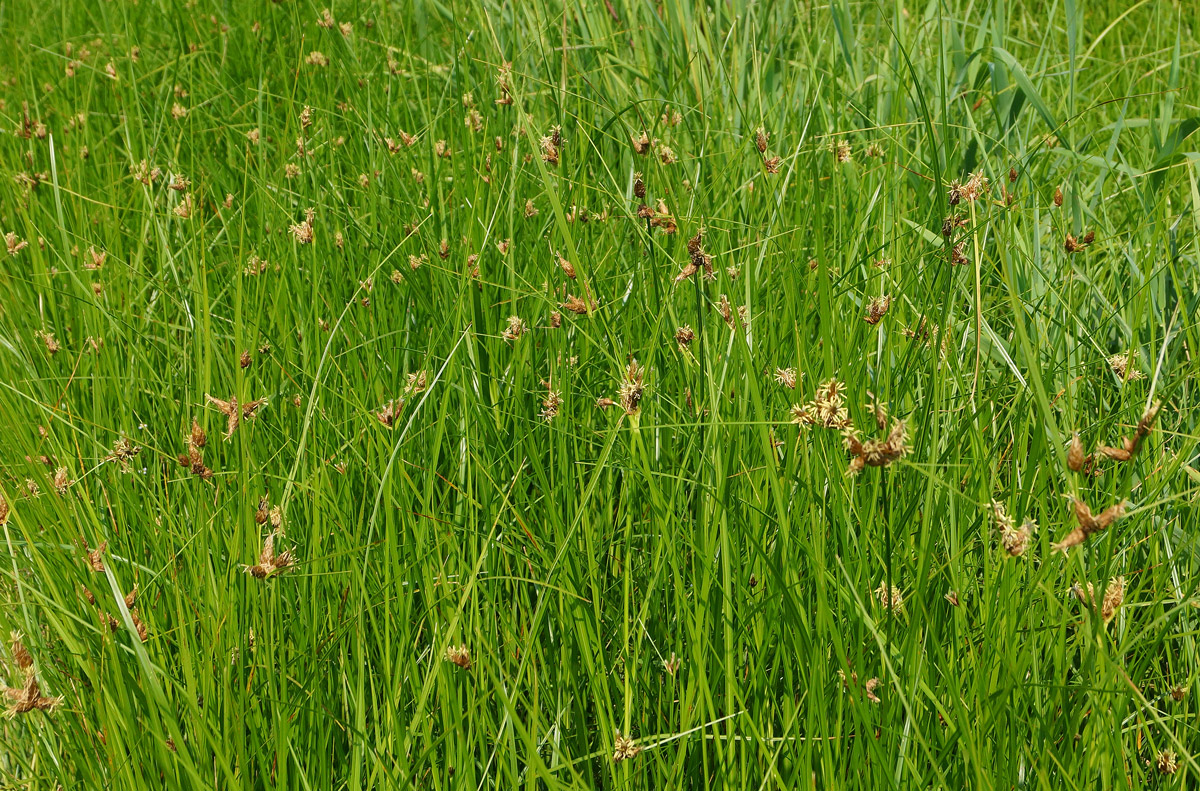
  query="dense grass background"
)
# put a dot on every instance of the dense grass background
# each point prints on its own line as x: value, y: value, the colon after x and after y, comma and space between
x: 575, y: 557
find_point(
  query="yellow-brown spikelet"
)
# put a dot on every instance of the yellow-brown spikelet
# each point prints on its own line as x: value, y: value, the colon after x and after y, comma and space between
x: 1166, y: 762
x: 1015, y: 540
x: 630, y: 390
x: 302, y: 232
x: 515, y: 329
x: 624, y: 748
x: 390, y: 411
x: 567, y: 267
x: 550, y: 405
x: 4, y: 511
x: 684, y: 336
x: 1124, y: 365
x: 459, y: 655
x: 1058, y: 196
x: 415, y: 382
x: 771, y: 164
x: 1089, y: 524
x: 263, y: 512
x: 641, y: 143
x: 1114, y: 596
x: 550, y: 145
x: 14, y: 243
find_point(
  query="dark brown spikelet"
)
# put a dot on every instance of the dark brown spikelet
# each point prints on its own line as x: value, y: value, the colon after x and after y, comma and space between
x: 244, y: 360
x: 760, y: 140
x: 1058, y: 196
x: 1012, y: 174
x: 952, y: 224
x: 131, y: 597
x: 639, y: 187
x: 1089, y: 524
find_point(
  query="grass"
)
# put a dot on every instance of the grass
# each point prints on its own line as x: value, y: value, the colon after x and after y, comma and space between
x: 484, y: 579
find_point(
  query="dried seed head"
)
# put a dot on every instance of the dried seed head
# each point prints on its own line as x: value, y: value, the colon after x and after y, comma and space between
x: 684, y: 336
x: 641, y: 143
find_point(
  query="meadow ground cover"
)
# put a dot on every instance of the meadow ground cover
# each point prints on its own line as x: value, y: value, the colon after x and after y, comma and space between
x: 610, y: 394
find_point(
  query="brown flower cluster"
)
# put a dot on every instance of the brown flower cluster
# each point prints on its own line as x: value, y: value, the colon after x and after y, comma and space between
x: 875, y: 452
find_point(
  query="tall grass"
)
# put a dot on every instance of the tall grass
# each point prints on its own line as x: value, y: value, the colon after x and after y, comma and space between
x: 489, y: 589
